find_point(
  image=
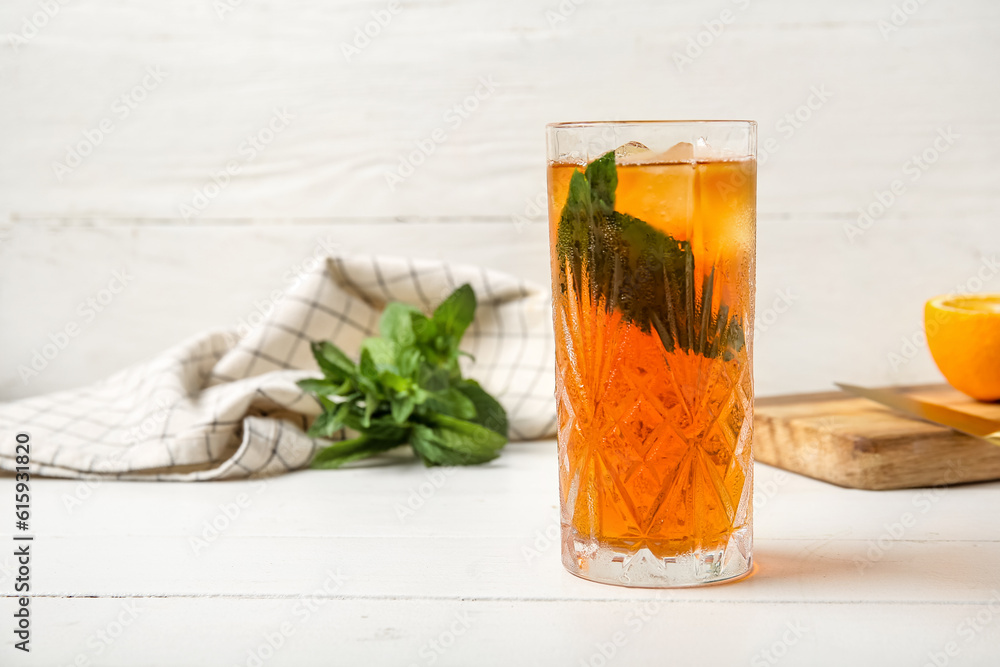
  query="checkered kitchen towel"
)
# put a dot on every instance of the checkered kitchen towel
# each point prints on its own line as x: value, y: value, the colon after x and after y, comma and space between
x: 225, y: 405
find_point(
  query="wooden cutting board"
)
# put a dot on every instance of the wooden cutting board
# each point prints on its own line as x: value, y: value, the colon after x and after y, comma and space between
x: 854, y: 442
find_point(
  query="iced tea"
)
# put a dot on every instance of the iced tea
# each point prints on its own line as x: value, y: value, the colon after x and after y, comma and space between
x: 653, y: 289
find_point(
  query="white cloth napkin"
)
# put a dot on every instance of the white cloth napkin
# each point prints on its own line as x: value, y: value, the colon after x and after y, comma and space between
x: 225, y: 405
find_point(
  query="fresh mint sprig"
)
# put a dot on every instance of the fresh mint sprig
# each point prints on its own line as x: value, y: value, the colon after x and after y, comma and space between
x: 646, y: 275
x: 407, y: 387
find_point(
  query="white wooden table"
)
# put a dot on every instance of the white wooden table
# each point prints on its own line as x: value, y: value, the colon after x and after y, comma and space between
x: 400, y: 565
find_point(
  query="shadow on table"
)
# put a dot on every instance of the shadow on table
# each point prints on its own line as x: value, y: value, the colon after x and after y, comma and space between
x: 903, y: 565
x: 792, y: 561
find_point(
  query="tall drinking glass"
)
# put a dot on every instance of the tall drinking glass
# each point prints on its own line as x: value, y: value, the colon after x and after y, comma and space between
x: 652, y: 231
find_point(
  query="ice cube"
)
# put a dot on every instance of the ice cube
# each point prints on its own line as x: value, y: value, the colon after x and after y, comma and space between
x: 635, y: 153
x: 680, y: 152
x: 631, y: 150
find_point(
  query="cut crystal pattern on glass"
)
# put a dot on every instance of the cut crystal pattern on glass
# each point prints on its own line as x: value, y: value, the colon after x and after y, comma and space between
x: 656, y: 480
x: 652, y: 265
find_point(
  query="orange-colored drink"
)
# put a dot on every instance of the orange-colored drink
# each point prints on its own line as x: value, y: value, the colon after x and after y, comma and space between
x: 653, y: 291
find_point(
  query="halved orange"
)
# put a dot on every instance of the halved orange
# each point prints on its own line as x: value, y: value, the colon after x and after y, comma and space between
x: 963, y: 334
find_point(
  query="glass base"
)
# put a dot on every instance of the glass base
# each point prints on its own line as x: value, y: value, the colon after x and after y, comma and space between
x: 592, y: 560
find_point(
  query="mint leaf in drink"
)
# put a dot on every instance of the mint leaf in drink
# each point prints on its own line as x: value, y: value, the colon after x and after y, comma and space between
x: 646, y: 275
x: 407, y: 387
x: 602, y: 175
x: 577, y: 221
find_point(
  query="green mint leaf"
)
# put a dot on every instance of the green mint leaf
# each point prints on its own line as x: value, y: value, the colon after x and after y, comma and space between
x: 326, y: 402
x: 366, y: 365
x: 319, y: 387
x: 385, y: 428
x: 382, y: 351
x: 346, y: 388
x: 326, y: 425
x: 451, y: 441
x: 451, y: 402
x: 402, y: 407
x: 396, y: 323
x: 352, y: 417
x: 425, y: 329
x: 380, y: 426
x: 603, y: 178
x: 367, y: 377
x: 575, y: 222
x: 346, y: 451
x: 434, y: 378
x: 409, y: 361
x: 396, y: 383
x: 419, y: 395
x: 371, y: 404
x: 455, y: 314
x: 424, y: 442
x: 489, y: 412
x: 429, y: 338
x: 332, y: 361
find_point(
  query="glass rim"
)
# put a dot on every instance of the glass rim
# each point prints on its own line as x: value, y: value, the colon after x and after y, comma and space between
x: 592, y: 123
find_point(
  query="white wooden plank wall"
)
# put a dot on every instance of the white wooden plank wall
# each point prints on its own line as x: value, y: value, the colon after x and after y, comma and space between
x: 162, y: 96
